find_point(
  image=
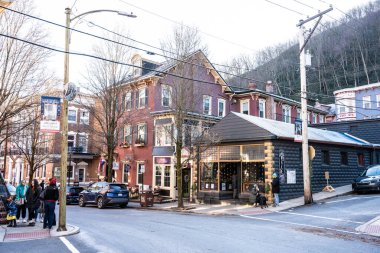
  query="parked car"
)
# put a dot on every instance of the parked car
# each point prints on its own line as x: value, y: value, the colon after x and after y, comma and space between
x: 72, y: 194
x: 369, y: 180
x: 104, y: 193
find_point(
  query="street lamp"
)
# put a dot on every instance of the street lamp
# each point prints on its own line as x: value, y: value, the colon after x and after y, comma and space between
x: 64, y: 124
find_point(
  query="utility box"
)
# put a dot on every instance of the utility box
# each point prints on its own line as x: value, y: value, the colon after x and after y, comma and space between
x: 146, y: 198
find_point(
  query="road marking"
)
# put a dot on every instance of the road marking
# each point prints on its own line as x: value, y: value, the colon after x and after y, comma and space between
x: 69, y: 245
x: 320, y: 217
x: 300, y: 224
x: 342, y: 200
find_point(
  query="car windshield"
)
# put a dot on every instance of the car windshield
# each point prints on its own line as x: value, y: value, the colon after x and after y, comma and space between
x: 373, y: 171
x: 118, y: 187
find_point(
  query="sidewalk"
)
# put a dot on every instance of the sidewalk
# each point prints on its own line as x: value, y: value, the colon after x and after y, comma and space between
x: 24, y: 232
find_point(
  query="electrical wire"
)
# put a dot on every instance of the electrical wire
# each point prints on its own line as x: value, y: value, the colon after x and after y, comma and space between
x: 286, y: 8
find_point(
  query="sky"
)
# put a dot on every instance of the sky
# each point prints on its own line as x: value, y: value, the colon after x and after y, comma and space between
x: 228, y: 28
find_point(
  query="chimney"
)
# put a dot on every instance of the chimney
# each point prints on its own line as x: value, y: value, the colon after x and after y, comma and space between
x: 252, y: 86
x: 269, y: 87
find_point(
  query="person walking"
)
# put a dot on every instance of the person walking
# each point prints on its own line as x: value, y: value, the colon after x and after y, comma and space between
x: 33, y: 201
x: 275, y: 189
x: 50, y: 198
x: 21, y: 201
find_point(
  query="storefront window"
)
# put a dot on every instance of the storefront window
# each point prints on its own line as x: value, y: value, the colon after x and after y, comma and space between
x: 167, y: 176
x: 210, y: 154
x: 229, y: 153
x: 255, y: 152
x: 227, y: 170
x: 158, y: 175
x: 253, y: 173
x: 209, y: 173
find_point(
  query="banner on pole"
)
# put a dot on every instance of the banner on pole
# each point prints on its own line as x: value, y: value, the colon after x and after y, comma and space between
x: 298, y: 130
x: 50, y: 114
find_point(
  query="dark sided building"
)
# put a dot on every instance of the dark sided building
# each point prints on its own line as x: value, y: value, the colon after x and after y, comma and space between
x: 254, y: 148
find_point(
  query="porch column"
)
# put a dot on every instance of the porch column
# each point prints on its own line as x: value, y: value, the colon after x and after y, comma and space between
x: 269, y: 168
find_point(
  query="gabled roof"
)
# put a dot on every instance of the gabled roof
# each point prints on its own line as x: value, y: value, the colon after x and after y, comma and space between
x: 166, y: 66
x: 237, y: 127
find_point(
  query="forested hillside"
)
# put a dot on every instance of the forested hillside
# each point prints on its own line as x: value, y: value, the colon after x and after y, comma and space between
x: 345, y: 53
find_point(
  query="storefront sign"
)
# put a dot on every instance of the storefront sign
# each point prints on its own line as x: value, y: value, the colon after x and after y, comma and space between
x: 50, y: 114
x: 291, y: 176
x: 162, y: 160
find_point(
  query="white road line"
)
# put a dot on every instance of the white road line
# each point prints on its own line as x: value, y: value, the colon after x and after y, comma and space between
x: 342, y: 200
x: 69, y: 245
x: 300, y: 224
x: 321, y: 217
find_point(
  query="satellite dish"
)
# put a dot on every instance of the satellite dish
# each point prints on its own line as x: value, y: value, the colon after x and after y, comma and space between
x: 71, y: 92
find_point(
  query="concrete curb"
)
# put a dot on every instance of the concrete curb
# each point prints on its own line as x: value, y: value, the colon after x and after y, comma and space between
x: 363, y: 228
x: 71, y: 230
x: 2, y: 233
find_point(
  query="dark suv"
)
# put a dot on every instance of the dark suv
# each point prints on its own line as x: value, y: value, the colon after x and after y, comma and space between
x: 369, y: 180
x: 72, y: 194
x: 104, y: 193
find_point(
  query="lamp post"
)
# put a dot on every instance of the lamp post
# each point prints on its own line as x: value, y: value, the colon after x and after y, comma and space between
x: 64, y: 124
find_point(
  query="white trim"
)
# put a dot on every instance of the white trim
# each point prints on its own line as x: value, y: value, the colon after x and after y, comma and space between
x: 363, y: 87
x: 210, y: 104
x: 164, y: 87
x: 286, y: 118
x: 263, y: 102
x: 85, y: 148
x: 241, y: 105
x: 87, y: 122
x: 71, y: 108
x: 366, y: 101
x: 224, y: 107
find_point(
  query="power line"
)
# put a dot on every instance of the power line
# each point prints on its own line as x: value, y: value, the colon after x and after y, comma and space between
x: 123, y: 44
x: 286, y: 8
x: 176, y: 22
x: 311, y: 7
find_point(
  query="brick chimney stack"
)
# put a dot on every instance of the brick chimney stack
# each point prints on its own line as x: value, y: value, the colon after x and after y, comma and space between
x: 269, y: 87
x: 252, y: 86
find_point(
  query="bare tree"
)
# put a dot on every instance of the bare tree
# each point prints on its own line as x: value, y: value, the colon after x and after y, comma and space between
x: 185, y: 95
x: 22, y: 67
x: 105, y: 80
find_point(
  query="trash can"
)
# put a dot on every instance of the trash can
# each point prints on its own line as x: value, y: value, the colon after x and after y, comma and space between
x: 146, y: 198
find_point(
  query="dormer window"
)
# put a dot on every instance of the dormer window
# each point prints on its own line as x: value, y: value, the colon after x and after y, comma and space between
x: 137, y: 64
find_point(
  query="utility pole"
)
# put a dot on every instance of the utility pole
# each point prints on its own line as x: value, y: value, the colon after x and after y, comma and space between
x: 308, y: 198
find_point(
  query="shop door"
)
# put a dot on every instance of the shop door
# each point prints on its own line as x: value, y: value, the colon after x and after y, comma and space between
x: 81, y: 175
x: 186, y: 182
x: 253, y: 174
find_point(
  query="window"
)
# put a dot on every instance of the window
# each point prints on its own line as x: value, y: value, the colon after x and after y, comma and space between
x: 221, y: 107
x: 378, y: 100
x: 361, y: 159
x: 44, y: 170
x: 84, y: 117
x: 314, y: 118
x: 343, y: 158
x: 207, y: 105
x: 141, y: 134
x: 325, y: 157
x: 261, y: 108
x: 286, y: 113
x: 366, y: 102
x: 167, y: 176
x: 137, y: 64
x: 298, y: 114
x: 125, y: 172
x: 163, y: 135
x: 82, y: 142
x: 244, y: 107
x: 308, y: 117
x: 127, y: 134
x: 72, y: 115
x: 166, y: 95
x: 140, y: 172
x: 158, y: 175
x: 191, y: 131
x: 70, y: 141
x: 128, y: 101
x: 321, y: 119
x: 142, y: 97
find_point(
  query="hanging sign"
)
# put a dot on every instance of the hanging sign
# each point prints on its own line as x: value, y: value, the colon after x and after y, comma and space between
x: 50, y: 114
x: 298, y: 130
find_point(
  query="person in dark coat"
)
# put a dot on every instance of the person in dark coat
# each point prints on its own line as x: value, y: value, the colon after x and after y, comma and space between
x: 275, y: 189
x: 42, y: 185
x: 33, y: 201
x: 11, y: 212
x: 50, y: 198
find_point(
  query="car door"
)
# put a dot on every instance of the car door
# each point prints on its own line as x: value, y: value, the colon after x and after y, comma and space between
x: 91, y: 192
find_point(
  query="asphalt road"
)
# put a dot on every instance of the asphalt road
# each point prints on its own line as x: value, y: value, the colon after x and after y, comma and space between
x: 323, y: 227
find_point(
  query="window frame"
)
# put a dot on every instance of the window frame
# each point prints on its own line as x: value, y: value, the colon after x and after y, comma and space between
x: 344, y: 158
x: 325, y: 157
x: 286, y: 114
x: 86, y: 138
x: 377, y: 100
x: 221, y: 101
x: 140, y: 140
x: 163, y: 132
x: 263, y: 103
x: 242, y: 103
x: 127, y: 139
x: 87, y: 119
x: 361, y: 159
x: 128, y: 102
x: 139, y: 175
x: 366, y: 101
x: 76, y: 115
x: 205, y: 99
x: 169, y: 98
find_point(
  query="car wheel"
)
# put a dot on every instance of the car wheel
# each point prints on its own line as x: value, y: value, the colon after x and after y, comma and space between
x: 123, y: 205
x: 100, y: 203
x: 81, y: 202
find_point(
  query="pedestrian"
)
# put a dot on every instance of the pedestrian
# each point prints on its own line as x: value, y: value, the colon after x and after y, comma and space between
x: 50, y: 198
x: 42, y: 185
x: 234, y: 186
x: 275, y: 189
x: 33, y: 201
x: 21, y: 201
x: 11, y: 212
